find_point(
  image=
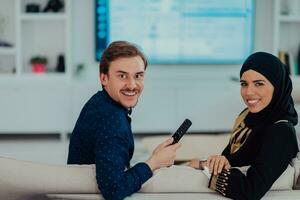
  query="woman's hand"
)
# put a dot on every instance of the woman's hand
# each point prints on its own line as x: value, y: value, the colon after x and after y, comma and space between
x: 216, y: 163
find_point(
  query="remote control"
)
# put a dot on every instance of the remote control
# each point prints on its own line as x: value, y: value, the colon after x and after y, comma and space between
x: 181, y: 130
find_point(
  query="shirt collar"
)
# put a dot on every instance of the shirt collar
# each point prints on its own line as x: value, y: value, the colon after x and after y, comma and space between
x: 128, y: 111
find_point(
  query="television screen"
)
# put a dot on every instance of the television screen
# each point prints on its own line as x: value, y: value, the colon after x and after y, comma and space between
x: 179, y: 31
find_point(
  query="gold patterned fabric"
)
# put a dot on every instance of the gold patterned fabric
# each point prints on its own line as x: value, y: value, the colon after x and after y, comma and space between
x: 240, y: 133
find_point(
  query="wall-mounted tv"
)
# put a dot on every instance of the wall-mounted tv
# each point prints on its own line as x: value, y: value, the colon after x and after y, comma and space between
x: 179, y: 31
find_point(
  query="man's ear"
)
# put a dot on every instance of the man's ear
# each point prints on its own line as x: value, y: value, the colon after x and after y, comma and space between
x: 103, y: 78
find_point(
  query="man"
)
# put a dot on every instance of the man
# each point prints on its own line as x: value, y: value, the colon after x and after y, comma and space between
x: 102, y: 134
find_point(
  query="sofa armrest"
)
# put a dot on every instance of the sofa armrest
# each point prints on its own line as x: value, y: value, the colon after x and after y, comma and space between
x: 296, y: 164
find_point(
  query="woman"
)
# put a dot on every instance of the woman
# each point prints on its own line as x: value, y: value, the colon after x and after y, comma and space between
x: 263, y: 136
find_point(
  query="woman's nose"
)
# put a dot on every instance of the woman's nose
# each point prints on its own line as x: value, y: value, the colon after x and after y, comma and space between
x: 250, y: 90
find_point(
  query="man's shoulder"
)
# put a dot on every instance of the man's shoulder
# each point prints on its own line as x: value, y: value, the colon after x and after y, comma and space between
x: 92, y: 110
x: 100, y: 116
x: 101, y: 104
x: 96, y: 105
x: 95, y: 101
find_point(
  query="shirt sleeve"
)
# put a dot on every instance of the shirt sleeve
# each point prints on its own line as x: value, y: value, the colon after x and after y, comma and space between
x: 278, y: 148
x: 112, y: 157
x: 234, y: 161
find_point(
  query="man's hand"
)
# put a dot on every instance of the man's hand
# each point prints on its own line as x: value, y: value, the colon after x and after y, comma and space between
x: 216, y: 163
x: 163, y: 155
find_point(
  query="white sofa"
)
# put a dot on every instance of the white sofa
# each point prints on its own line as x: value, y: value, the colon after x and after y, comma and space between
x: 21, y: 180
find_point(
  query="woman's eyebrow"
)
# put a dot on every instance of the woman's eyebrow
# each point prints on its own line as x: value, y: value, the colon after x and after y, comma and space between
x: 255, y: 81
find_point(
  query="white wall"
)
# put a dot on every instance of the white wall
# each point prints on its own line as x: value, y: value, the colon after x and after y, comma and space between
x: 203, y: 93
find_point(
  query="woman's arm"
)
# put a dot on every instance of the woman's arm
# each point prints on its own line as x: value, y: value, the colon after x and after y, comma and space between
x: 278, y: 148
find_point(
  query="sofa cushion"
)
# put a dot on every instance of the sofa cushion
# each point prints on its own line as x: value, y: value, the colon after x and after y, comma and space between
x: 177, y: 179
x: 272, y: 195
x: 152, y: 196
x: 186, y: 179
x: 296, y: 164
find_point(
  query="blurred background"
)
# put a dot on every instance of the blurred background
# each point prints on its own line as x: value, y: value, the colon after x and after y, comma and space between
x: 50, y: 50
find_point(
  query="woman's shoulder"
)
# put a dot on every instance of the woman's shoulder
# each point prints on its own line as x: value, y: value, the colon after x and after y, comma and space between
x: 282, y: 134
x: 282, y: 125
x: 282, y: 130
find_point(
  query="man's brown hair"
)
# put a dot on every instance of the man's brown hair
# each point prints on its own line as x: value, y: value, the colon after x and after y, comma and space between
x: 119, y: 49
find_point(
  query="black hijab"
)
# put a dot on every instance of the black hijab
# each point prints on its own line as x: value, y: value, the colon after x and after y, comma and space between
x: 281, y: 106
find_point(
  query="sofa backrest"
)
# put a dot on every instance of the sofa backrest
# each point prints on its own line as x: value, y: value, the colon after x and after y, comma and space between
x: 22, y: 178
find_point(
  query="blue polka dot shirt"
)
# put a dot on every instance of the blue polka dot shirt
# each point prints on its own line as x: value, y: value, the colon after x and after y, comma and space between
x: 103, y: 136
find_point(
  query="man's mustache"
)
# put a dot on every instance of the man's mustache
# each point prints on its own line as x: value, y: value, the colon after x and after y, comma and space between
x: 130, y: 90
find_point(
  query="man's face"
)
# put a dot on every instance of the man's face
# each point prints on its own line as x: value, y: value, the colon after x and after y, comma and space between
x: 125, y: 80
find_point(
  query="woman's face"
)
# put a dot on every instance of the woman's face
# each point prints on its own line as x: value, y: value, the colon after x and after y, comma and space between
x: 256, y: 91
